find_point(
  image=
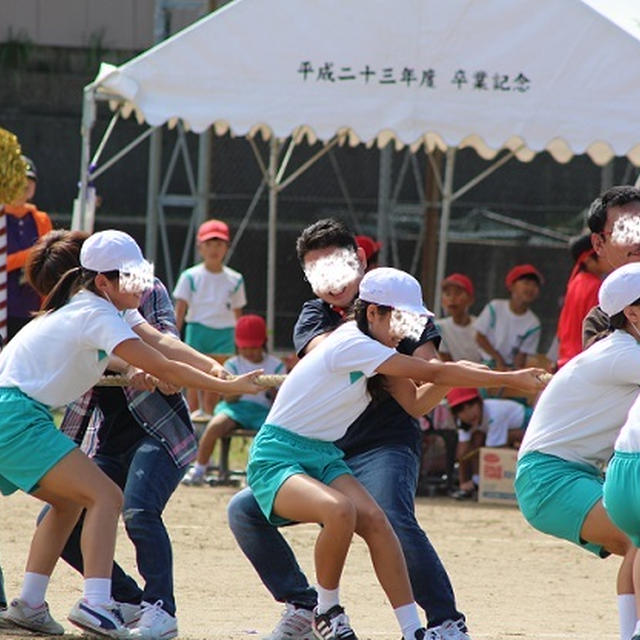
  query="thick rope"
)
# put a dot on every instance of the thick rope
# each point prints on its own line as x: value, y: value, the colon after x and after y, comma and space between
x: 265, y: 380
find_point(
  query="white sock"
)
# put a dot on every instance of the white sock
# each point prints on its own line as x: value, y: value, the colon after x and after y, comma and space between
x: 200, y: 468
x: 327, y: 598
x: 34, y: 588
x: 476, y: 479
x: 408, y: 619
x: 627, y: 615
x: 97, y: 591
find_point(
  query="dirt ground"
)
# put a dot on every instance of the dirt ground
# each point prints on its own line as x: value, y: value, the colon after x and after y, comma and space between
x: 511, y: 581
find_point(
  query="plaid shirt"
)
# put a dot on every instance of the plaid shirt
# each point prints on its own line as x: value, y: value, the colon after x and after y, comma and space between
x: 160, y: 416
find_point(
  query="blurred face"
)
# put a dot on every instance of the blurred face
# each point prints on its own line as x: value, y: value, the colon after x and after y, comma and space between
x: 121, y: 300
x: 470, y: 413
x: 334, y: 275
x: 619, y: 249
x: 252, y: 354
x: 525, y: 290
x: 213, y: 251
x: 455, y: 300
x: 29, y: 192
x: 379, y: 327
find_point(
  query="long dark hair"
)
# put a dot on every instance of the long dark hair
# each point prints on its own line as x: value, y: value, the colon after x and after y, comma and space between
x: 375, y: 385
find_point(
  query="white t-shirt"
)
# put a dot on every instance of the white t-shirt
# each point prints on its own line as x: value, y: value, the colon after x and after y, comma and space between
x: 459, y: 341
x: 498, y: 417
x: 327, y: 390
x: 270, y: 364
x: 59, y: 356
x: 211, y: 297
x: 509, y: 333
x: 582, y: 409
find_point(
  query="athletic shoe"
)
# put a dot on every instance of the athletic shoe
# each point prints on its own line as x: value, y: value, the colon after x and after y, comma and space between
x: 194, y: 477
x: 4, y: 623
x: 36, y: 619
x: 332, y: 625
x: 452, y: 630
x: 129, y: 612
x: 155, y: 623
x: 295, y: 624
x: 103, y: 620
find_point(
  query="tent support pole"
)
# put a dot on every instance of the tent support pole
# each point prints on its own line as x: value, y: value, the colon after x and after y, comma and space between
x: 447, y: 199
x: 271, y: 246
x: 384, y: 197
x: 204, y: 177
x: 88, y: 120
x: 153, y: 189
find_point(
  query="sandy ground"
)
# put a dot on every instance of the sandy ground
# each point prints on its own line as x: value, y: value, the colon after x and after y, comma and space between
x: 511, y: 581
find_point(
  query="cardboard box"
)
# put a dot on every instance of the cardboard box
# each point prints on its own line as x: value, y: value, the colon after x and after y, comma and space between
x: 497, y: 473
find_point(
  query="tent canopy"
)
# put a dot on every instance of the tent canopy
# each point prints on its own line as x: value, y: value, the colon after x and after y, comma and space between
x: 529, y: 75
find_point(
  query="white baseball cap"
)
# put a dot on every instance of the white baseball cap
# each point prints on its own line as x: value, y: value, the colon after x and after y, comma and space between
x: 620, y: 288
x: 393, y: 288
x: 111, y: 250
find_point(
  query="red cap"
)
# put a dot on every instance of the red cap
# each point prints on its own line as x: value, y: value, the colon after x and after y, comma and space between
x: 460, y: 395
x: 251, y: 331
x: 213, y: 229
x: 521, y: 270
x: 459, y: 280
x: 369, y: 245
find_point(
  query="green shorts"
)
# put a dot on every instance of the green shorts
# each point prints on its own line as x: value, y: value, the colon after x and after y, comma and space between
x: 555, y: 496
x: 248, y: 415
x: 30, y: 443
x: 207, y: 340
x: 622, y: 493
x: 277, y: 453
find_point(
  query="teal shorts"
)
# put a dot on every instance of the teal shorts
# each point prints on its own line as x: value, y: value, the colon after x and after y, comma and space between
x: 248, y: 415
x: 277, y: 454
x: 555, y: 496
x: 30, y: 443
x: 622, y: 493
x: 207, y: 340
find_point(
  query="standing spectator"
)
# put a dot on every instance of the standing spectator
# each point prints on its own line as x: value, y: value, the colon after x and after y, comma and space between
x: 371, y: 250
x: 581, y: 296
x: 25, y: 224
x: 209, y: 299
x: 457, y: 330
x: 507, y: 331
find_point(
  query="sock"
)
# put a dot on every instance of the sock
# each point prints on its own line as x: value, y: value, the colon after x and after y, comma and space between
x: 97, y: 591
x: 34, y: 588
x: 409, y: 620
x: 327, y: 598
x: 200, y: 468
x: 627, y: 615
x: 476, y: 479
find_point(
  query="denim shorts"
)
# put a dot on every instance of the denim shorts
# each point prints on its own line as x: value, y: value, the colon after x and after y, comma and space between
x: 207, y: 340
x: 249, y: 415
x: 555, y: 496
x: 622, y: 493
x: 277, y: 454
x: 30, y: 443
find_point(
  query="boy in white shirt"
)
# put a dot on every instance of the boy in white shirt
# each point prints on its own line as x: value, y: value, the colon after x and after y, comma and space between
x: 507, y: 331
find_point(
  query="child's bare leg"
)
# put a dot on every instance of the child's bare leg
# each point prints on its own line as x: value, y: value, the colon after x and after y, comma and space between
x: 304, y: 499
x: 193, y: 399
x: 209, y: 401
x: 218, y: 427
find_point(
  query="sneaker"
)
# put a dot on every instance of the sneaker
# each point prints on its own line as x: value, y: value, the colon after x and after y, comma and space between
x: 36, y: 619
x: 194, y: 477
x: 4, y: 623
x: 452, y: 630
x: 129, y: 612
x: 155, y: 623
x: 103, y: 620
x: 332, y: 625
x: 295, y: 624
x: 426, y: 634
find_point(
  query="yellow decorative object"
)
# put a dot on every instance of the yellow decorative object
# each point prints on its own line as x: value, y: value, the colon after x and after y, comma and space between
x: 13, y: 170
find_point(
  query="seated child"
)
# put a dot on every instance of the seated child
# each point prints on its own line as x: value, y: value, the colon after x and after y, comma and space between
x: 247, y: 411
x: 506, y: 329
x: 490, y: 422
x: 457, y: 330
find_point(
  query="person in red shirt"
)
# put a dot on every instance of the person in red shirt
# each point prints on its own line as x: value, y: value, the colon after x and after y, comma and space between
x: 581, y: 296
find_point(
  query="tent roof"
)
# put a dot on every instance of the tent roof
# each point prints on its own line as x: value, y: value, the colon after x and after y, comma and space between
x: 523, y: 74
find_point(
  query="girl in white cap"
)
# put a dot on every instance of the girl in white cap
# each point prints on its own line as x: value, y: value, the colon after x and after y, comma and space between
x: 90, y: 315
x: 298, y: 474
x: 570, y: 438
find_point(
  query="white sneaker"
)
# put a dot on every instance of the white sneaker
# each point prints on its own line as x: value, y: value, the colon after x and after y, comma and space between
x: 103, y: 620
x: 194, y: 477
x: 155, y: 623
x: 36, y: 619
x: 332, y: 625
x: 4, y: 623
x: 295, y: 624
x: 130, y: 613
x: 452, y: 630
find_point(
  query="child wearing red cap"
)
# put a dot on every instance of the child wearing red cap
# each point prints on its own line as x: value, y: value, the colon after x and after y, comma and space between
x: 247, y: 411
x: 456, y: 330
x: 209, y: 298
x: 507, y: 331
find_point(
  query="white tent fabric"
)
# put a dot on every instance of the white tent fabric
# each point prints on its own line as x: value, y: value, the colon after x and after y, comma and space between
x: 532, y: 75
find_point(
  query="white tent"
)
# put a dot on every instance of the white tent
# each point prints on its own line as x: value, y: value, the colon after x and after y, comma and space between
x: 525, y: 75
